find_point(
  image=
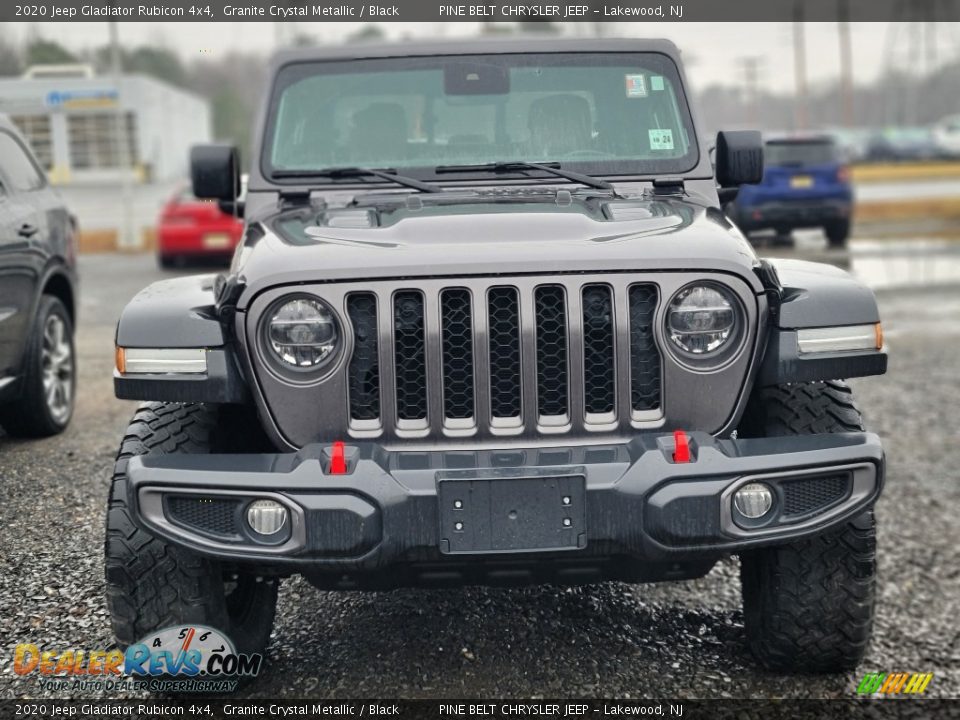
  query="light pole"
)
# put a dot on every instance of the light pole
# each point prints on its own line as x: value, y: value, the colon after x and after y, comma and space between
x: 126, y: 238
x: 799, y: 68
x: 846, y: 63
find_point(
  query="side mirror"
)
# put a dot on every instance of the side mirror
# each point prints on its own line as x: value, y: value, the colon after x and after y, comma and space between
x: 231, y: 207
x: 739, y: 158
x: 215, y: 172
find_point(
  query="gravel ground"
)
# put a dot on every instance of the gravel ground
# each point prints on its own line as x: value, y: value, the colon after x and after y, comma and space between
x: 612, y: 640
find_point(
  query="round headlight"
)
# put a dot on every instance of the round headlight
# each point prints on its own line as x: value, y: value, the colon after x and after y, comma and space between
x: 701, y: 319
x: 303, y: 333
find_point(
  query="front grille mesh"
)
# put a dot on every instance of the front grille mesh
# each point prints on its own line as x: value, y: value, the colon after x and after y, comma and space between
x: 364, y: 371
x: 503, y: 358
x: 644, y: 358
x: 503, y: 306
x: 598, y: 350
x: 410, y: 358
x: 551, y: 312
x: 457, y: 346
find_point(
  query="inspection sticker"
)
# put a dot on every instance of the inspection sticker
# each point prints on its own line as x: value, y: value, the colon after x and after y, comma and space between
x: 656, y: 82
x: 661, y: 139
x: 636, y: 86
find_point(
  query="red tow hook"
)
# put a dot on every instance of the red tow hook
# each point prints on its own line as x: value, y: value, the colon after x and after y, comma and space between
x: 338, y: 459
x: 681, y: 447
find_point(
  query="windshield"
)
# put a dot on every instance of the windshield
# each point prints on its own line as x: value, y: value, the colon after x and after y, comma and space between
x: 602, y: 113
x: 795, y: 153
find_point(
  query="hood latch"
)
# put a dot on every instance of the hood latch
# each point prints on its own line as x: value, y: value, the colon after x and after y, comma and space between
x: 668, y: 186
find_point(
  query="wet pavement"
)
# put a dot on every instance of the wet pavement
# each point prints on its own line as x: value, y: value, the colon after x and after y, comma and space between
x: 907, y: 190
x: 881, y: 264
x: 611, y: 640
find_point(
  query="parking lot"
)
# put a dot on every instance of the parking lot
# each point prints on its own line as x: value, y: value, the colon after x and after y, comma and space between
x: 612, y: 640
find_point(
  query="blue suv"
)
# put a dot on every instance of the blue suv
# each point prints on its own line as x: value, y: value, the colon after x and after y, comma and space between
x: 805, y: 185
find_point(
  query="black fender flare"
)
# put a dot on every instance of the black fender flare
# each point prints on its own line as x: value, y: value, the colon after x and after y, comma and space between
x: 180, y: 313
x: 816, y: 295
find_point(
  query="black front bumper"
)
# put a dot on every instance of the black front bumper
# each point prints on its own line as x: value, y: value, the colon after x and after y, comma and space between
x: 570, y: 514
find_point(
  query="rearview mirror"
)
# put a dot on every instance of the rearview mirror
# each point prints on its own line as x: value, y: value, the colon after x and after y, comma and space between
x: 215, y: 172
x: 739, y: 158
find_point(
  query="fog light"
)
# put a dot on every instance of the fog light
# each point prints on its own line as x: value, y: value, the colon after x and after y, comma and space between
x: 266, y: 517
x: 753, y: 500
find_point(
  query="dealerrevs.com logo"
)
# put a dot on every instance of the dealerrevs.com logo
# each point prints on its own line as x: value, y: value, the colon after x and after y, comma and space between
x: 191, y: 658
x: 894, y: 683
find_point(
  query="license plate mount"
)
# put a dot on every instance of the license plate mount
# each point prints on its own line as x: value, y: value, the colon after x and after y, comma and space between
x: 510, y: 515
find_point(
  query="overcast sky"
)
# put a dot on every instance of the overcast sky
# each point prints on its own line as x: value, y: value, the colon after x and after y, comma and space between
x: 712, y: 50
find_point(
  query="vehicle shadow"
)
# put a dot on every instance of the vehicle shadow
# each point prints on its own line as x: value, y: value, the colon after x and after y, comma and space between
x: 496, y: 642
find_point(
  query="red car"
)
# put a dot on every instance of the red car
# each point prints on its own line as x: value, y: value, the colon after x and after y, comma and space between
x: 193, y: 229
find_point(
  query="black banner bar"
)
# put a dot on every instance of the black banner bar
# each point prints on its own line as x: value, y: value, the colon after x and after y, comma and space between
x: 478, y: 11
x: 186, y: 707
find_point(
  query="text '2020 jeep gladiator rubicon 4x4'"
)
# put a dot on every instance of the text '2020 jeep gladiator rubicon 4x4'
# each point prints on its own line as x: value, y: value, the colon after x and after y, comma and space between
x: 487, y: 324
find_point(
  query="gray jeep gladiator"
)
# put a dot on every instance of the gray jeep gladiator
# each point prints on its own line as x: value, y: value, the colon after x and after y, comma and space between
x: 489, y: 325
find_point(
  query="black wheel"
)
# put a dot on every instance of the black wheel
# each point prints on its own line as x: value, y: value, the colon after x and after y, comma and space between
x: 837, y: 233
x: 783, y: 237
x: 152, y: 585
x: 45, y: 405
x: 808, y: 606
x: 167, y: 262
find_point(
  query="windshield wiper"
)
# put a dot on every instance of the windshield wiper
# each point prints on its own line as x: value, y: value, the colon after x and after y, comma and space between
x: 549, y: 167
x: 388, y: 174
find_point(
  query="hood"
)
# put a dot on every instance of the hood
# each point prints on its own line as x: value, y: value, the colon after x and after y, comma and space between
x: 413, y: 238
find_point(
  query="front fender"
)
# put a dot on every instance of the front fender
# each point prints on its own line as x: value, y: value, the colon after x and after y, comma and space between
x: 180, y: 313
x: 815, y: 295
x: 820, y: 295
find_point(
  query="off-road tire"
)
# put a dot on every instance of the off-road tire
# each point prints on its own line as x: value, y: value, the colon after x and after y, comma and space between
x: 151, y: 584
x: 837, y: 233
x: 808, y: 606
x: 29, y: 415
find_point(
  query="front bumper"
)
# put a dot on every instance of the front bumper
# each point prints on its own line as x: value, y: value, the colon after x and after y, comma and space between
x: 795, y: 213
x: 386, y: 522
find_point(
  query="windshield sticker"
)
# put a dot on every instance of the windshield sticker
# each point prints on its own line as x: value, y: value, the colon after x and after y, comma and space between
x: 636, y: 86
x: 661, y: 139
x: 656, y: 82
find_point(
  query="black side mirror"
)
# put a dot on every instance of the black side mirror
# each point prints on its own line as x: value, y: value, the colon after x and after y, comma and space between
x: 215, y: 172
x: 231, y: 207
x: 739, y: 158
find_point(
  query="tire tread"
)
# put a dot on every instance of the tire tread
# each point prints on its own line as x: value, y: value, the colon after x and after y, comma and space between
x: 150, y: 583
x: 809, y: 605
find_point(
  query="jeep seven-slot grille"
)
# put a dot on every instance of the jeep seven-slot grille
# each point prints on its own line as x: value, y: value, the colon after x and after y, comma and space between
x: 504, y: 358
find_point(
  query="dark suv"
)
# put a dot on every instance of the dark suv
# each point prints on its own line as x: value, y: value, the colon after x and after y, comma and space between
x: 37, y: 290
x: 806, y: 184
x: 488, y: 324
